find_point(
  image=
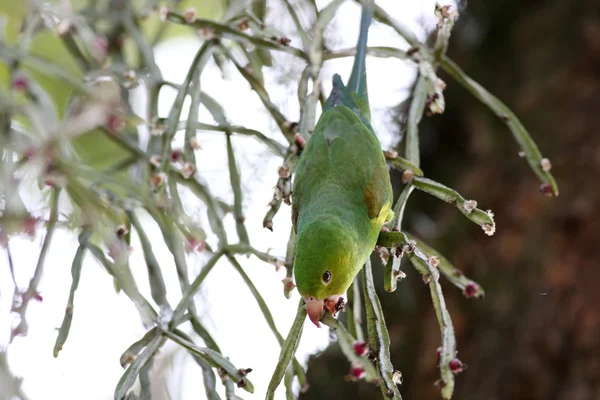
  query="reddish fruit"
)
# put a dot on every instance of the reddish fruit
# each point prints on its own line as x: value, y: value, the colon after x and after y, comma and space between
x: 20, y: 83
x: 361, y: 348
x: 470, y: 290
x: 456, y: 366
x: 546, y: 190
x: 175, y: 155
x: 357, y: 372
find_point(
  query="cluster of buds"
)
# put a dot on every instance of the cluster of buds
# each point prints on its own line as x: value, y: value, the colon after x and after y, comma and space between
x: 187, y: 169
x: 283, y: 190
x: 281, y: 40
x: 469, y: 206
x: 433, y: 261
x: 445, y: 14
x: 489, y: 228
x: 435, y: 103
x: 384, y: 254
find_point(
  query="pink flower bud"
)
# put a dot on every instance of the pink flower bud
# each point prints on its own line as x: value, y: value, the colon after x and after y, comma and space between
x: 361, y: 348
x: 471, y: 290
x: 457, y: 366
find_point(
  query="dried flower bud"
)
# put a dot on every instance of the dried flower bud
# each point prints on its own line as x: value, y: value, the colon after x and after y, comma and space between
x: 489, y: 229
x: 122, y: 231
x: 158, y: 179
x: 268, y: 225
x: 285, y: 41
x: 426, y: 278
x: 244, y: 371
x: 469, y: 206
x: 189, y: 15
x: 155, y: 160
x: 457, y: 366
x: 433, y: 261
x: 243, y: 25
x: 410, y: 246
x: 444, y: 12
x: 194, y: 144
x: 288, y: 284
x: 284, y: 172
x: 207, y: 33
x: 435, y: 103
x: 241, y: 383
x: 397, y: 377
x: 546, y: 165
x: 164, y: 13
x: 361, y: 348
x: 390, y: 154
x: 384, y: 254
x: 188, y: 170
x: 398, y: 252
x: 399, y: 275
x: 407, y: 175
x: 115, y: 123
x: 471, y: 290
x: 440, y: 85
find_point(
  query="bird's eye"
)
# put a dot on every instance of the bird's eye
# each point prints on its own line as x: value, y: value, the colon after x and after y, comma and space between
x: 326, y: 277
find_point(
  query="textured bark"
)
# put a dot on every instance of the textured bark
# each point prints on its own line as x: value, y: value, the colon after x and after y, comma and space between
x: 536, y: 335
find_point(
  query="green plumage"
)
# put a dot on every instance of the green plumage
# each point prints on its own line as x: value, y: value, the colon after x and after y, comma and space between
x: 342, y: 193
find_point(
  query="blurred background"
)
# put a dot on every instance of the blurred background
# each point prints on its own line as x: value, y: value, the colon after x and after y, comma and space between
x: 535, y: 336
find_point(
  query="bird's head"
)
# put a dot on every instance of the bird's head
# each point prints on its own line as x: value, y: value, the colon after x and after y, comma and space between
x: 324, y: 268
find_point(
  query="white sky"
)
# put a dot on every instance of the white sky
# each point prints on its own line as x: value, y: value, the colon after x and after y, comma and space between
x: 106, y: 323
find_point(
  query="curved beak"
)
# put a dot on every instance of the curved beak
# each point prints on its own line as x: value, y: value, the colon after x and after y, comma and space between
x: 314, y: 308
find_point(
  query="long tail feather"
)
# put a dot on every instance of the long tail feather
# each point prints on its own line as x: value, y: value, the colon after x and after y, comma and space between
x: 358, y: 77
x: 355, y: 95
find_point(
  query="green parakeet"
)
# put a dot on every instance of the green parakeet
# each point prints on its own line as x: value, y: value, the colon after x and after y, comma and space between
x: 342, y: 193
